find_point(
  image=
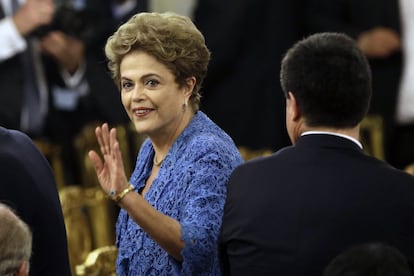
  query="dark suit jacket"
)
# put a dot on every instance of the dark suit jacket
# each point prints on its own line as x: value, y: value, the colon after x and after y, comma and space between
x: 11, y: 92
x: 293, y: 212
x: 354, y: 17
x: 28, y: 186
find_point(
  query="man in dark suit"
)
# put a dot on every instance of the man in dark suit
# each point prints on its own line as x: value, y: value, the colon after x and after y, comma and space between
x: 29, y: 188
x: 292, y: 212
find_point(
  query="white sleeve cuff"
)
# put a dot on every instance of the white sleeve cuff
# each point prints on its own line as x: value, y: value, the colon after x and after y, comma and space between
x: 11, y: 42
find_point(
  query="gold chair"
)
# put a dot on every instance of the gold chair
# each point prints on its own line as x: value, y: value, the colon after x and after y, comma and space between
x: 372, y: 133
x: 248, y: 154
x: 89, y: 204
x: 78, y: 231
x: 90, y: 221
x: 410, y: 169
x: 53, y: 155
x: 99, y: 262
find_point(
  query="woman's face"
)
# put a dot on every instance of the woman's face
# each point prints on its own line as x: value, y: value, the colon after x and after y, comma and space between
x: 150, y: 95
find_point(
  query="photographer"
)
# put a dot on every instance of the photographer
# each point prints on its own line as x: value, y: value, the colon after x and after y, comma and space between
x: 71, y: 80
x: 81, y: 90
x: 16, y: 23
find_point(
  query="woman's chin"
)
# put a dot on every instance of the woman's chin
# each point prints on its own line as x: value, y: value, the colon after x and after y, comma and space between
x: 140, y: 127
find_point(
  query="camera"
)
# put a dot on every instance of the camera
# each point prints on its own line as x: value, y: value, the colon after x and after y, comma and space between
x: 72, y: 18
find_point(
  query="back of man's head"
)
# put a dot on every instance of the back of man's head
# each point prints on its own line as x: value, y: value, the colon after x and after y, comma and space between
x: 15, y: 243
x: 330, y: 79
x: 372, y: 259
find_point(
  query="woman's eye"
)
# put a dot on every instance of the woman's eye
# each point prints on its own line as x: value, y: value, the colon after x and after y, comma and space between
x: 151, y: 83
x: 126, y: 85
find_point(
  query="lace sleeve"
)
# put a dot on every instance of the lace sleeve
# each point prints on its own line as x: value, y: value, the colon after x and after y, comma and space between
x: 202, y: 213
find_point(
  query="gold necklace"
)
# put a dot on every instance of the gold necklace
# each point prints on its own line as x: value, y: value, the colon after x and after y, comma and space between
x: 155, y: 162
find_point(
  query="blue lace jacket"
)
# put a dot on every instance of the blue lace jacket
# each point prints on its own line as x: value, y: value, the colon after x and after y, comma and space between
x: 191, y: 187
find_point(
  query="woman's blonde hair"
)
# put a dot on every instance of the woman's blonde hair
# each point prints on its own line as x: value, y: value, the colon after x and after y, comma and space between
x: 171, y: 38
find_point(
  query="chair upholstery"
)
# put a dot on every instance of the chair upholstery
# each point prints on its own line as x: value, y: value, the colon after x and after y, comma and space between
x: 52, y: 153
x: 410, y: 169
x: 90, y: 220
x: 372, y: 135
x: 99, y: 262
x: 248, y: 154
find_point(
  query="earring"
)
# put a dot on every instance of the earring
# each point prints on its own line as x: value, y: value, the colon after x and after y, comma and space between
x: 185, y: 106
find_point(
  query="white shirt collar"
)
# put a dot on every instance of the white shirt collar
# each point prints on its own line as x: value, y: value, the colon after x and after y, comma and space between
x: 333, y: 133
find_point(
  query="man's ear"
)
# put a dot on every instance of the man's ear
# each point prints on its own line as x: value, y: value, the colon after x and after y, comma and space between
x: 292, y: 107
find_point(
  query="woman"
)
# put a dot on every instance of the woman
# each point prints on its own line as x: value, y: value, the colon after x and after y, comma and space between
x: 172, y: 207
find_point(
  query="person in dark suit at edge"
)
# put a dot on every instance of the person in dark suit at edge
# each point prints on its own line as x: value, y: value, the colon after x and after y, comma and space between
x: 292, y: 212
x: 28, y: 187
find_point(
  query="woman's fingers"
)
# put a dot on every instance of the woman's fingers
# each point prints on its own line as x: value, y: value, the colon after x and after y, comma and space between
x: 98, y: 133
x: 111, y: 168
x: 105, y: 138
x: 113, y: 140
x: 96, y: 161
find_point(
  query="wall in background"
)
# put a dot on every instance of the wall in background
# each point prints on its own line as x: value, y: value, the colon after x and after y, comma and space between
x: 184, y: 7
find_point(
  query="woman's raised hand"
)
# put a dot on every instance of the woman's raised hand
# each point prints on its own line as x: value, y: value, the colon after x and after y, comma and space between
x: 110, y: 171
